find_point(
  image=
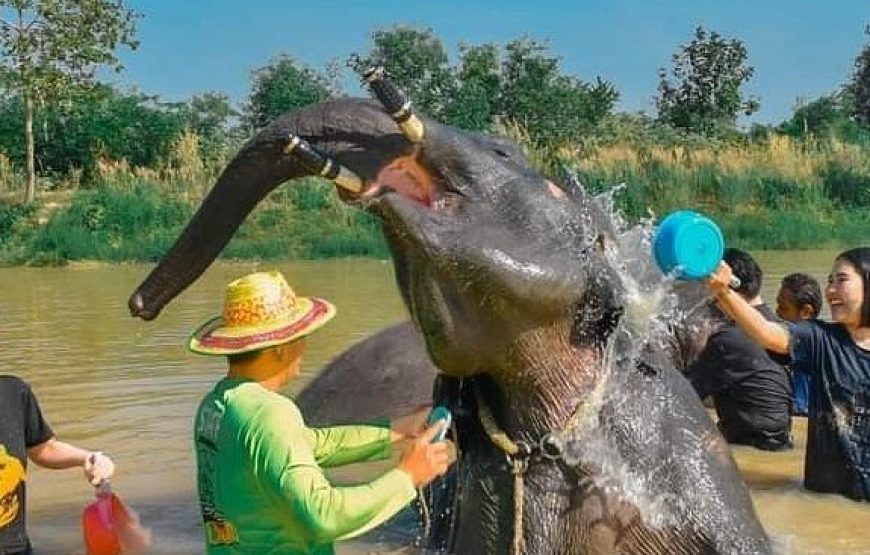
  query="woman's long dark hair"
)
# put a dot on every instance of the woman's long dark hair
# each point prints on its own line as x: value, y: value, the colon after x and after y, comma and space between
x: 859, y: 258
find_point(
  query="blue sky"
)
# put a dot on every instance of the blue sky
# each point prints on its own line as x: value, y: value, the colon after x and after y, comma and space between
x: 800, y: 48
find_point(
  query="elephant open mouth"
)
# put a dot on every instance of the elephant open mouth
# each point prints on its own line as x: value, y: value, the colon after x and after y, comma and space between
x: 510, y: 281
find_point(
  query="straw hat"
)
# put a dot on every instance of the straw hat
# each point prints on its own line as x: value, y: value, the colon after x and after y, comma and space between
x: 260, y: 310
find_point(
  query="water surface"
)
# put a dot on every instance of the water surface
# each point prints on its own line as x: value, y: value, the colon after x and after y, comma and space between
x: 130, y: 388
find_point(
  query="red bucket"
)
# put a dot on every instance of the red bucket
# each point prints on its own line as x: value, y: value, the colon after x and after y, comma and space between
x: 110, y: 528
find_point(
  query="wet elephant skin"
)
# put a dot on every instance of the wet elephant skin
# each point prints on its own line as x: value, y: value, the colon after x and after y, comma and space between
x: 510, y: 282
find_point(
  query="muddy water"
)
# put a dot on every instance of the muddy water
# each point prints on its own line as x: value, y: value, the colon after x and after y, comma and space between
x: 110, y: 382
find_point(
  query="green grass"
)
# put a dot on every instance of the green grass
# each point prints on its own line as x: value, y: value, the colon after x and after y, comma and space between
x: 140, y: 221
x: 780, y: 195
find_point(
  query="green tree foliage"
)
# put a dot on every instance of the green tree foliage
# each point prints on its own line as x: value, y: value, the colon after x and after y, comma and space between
x: 703, y: 93
x: 210, y: 116
x: 477, y: 97
x: 89, y: 122
x: 826, y: 117
x: 859, y: 87
x: 521, y: 83
x: 283, y: 85
x: 45, y: 45
x: 552, y: 106
x: 416, y: 61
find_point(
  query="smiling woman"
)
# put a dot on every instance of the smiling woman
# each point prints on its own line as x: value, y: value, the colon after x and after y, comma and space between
x: 837, y: 356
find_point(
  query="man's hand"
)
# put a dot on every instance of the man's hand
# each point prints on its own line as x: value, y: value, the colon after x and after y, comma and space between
x: 424, y: 461
x: 410, y: 425
x: 98, y: 468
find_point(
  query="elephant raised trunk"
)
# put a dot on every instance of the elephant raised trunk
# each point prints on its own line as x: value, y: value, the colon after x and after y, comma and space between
x: 521, y: 288
x: 355, y: 133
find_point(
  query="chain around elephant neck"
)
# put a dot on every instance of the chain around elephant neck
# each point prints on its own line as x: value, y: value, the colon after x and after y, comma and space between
x: 519, y: 453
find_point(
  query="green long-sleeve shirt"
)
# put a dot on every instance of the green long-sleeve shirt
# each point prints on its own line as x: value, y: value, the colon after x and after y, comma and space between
x: 261, y: 485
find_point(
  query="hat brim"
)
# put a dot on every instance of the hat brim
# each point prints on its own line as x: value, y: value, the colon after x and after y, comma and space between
x: 212, y: 338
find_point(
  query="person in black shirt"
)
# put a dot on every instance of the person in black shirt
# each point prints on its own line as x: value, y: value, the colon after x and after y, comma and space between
x: 799, y: 298
x: 837, y: 356
x: 751, y: 389
x: 24, y: 434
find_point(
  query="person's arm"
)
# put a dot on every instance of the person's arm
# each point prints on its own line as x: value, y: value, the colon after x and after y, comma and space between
x: 339, y: 445
x: 283, y: 461
x: 47, y: 451
x: 770, y: 335
x: 57, y: 454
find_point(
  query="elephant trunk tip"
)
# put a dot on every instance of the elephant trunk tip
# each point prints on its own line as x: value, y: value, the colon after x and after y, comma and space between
x: 136, y: 304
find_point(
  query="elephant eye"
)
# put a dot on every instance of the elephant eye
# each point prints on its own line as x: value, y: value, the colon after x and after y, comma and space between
x: 501, y: 153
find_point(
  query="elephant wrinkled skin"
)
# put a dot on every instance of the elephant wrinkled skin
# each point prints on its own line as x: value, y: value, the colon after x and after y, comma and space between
x: 525, y: 305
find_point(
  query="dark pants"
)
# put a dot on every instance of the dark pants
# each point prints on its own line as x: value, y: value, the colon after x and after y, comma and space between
x: 766, y: 441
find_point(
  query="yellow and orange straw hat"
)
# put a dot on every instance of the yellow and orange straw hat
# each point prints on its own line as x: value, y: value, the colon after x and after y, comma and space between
x: 260, y: 311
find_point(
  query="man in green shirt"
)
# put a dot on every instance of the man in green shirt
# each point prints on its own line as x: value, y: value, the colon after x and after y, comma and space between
x: 261, y: 485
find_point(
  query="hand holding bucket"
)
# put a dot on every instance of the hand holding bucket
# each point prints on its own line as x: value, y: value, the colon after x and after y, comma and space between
x: 689, y: 245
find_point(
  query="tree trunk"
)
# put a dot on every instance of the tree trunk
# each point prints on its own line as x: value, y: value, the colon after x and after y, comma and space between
x: 30, y: 189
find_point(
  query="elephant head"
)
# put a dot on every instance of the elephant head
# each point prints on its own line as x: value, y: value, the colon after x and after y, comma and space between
x: 536, y: 293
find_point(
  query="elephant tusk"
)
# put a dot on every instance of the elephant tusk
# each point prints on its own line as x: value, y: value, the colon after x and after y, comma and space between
x: 319, y: 163
x: 397, y: 104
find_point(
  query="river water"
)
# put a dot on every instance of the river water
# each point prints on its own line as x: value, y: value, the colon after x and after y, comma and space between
x: 130, y: 388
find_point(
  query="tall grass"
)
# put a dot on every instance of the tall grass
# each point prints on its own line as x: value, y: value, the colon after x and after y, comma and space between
x: 774, y: 194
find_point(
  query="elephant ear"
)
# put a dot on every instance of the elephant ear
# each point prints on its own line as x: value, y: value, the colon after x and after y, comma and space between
x: 384, y: 376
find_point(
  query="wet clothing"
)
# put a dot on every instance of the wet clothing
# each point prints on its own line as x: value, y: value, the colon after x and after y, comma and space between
x: 261, y: 487
x: 751, y: 388
x: 800, y: 383
x: 21, y: 426
x: 838, y: 436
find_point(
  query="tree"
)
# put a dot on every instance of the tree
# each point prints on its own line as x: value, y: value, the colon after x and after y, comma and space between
x: 85, y: 123
x: 705, y: 95
x: 283, y: 85
x: 859, y: 87
x: 553, y: 107
x: 826, y: 116
x: 416, y: 61
x: 47, y: 45
x: 209, y: 115
x: 477, y: 97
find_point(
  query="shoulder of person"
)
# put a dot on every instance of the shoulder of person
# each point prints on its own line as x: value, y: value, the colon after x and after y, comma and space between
x: 9, y: 382
x: 727, y: 334
x: 256, y: 401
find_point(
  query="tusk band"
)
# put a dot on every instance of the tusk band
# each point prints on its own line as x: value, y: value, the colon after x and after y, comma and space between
x: 319, y: 163
x: 395, y: 102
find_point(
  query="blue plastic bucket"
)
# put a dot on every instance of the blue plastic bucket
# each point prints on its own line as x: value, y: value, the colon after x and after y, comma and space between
x: 688, y: 244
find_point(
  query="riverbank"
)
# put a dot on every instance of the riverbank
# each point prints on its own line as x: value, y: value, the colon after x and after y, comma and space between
x: 775, y: 194
x: 131, y: 388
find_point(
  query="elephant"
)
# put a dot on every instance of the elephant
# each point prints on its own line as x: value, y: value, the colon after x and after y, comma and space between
x: 550, y: 329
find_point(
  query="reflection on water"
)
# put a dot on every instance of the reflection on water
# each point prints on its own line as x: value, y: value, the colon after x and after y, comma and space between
x: 800, y: 521
x: 108, y: 381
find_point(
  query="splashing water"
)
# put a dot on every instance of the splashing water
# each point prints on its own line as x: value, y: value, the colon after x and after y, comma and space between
x: 628, y: 451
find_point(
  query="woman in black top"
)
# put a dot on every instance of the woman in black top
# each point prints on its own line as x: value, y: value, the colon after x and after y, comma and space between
x: 837, y: 356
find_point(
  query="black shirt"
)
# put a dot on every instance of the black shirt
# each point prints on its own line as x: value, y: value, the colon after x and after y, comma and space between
x: 21, y: 426
x: 838, y: 435
x: 751, y: 391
